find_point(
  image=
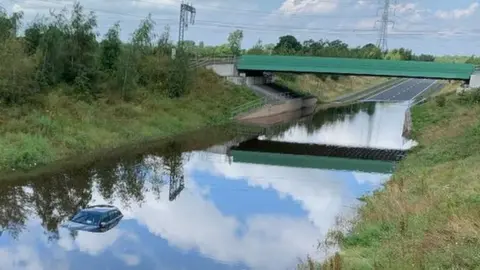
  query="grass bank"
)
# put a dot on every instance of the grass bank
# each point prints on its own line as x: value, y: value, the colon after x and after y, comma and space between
x: 66, y: 91
x: 58, y: 126
x: 427, y: 216
x: 327, y: 88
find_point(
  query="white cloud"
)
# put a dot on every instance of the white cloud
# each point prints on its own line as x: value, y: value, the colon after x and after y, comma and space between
x: 405, y: 8
x: 20, y: 257
x: 129, y: 259
x: 458, y: 13
x: 290, y: 7
x: 91, y: 243
x: 362, y: 4
x: 381, y: 130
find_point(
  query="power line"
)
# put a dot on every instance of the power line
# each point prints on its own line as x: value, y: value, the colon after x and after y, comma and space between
x: 209, y: 24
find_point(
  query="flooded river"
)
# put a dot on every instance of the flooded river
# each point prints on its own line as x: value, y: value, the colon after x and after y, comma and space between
x: 189, y: 204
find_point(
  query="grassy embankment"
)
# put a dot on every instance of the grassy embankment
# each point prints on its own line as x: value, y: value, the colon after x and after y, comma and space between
x: 60, y: 126
x: 64, y: 93
x: 427, y: 216
x: 327, y: 88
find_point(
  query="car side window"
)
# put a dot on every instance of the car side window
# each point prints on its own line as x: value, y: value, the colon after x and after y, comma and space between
x: 114, y: 214
x: 105, y: 218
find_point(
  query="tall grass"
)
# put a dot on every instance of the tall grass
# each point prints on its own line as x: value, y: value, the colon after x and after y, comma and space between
x: 58, y: 126
x: 327, y: 88
x: 427, y: 216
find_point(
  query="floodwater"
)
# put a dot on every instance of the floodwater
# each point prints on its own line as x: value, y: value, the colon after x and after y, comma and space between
x: 188, y: 205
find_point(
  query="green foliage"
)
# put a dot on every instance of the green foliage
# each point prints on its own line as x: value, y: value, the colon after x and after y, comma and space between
x: 451, y: 59
x: 440, y: 100
x: 257, y: 49
x: 471, y: 96
x: 143, y: 38
x: 399, y: 54
x: 17, y: 73
x: 178, y: 77
x: 111, y: 48
x: 235, y: 41
x: 288, y: 45
x: 9, y: 25
x: 24, y: 151
x: 424, y: 58
x: 473, y: 60
x: 164, y: 45
x: 62, y: 50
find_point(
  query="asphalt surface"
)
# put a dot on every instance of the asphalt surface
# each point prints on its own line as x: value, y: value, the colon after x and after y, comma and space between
x: 404, y: 91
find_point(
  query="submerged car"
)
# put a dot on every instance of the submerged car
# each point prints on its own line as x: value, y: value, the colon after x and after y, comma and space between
x: 96, y: 218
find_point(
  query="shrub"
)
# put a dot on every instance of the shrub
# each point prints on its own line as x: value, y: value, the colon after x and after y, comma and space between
x: 440, y: 100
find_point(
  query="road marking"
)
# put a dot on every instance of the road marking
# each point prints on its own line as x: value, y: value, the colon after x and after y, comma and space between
x: 428, y: 87
x: 401, y: 83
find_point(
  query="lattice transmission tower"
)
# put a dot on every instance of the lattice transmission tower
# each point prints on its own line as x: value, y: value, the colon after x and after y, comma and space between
x: 385, y: 21
x: 187, y: 16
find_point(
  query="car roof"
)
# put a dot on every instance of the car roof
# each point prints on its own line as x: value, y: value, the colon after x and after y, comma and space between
x: 99, y: 208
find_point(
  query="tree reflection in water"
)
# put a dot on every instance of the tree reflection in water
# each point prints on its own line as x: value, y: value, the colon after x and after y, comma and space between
x: 57, y: 197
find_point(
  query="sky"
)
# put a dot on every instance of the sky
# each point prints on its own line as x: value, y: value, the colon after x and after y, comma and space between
x: 427, y: 26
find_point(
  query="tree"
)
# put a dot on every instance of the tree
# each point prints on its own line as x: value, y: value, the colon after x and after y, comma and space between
x: 288, y: 45
x: 17, y: 73
x: 33, y: 37
x: 164, y: 45
x: 111, y: 48
x: 473, y: 60
x: 257, y: 48
x: 81, y: 48
x: 143, y: 37
x: 371, y: 51
x: 9, y: 25
x: 424, y: 58
x: 235, y: 39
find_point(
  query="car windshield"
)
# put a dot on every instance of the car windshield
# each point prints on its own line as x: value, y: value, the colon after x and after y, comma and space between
x: 87, y: 217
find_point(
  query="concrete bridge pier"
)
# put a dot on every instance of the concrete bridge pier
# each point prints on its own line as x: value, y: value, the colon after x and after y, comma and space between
x: 475, y: 79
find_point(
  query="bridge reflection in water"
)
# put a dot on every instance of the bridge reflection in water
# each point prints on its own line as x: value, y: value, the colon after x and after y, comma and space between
x: 364, y: 137
x: 316, y: 156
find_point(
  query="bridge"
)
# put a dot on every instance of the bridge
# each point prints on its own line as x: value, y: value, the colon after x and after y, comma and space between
x: 254, y: 64
x: 316, y: 156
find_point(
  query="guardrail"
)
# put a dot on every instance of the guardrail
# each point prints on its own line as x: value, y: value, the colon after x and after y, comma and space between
x: 205, y: 61
x: 260, y: 102
x: 254, y: 104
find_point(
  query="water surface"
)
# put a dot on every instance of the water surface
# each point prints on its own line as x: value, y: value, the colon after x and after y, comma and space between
x: 196, y: 209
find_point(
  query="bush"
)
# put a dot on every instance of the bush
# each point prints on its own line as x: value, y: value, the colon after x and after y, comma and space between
x: 440, y: 100
x: 17, y: 73
x: 471, y: 97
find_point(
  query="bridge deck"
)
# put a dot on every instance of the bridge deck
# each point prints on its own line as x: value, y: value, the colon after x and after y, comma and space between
x: 351, y: 66
x: 256, y: 145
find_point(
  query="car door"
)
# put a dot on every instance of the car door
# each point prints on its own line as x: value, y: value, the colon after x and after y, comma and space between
x: 116, y: 215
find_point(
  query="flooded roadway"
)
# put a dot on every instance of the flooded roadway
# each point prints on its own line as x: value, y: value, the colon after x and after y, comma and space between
x: 187, y: 208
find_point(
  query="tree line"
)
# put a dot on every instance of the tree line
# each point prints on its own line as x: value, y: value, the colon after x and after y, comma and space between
x: 289, y: 45
x: 62, y: 50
